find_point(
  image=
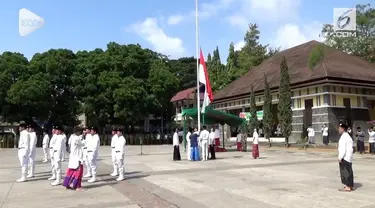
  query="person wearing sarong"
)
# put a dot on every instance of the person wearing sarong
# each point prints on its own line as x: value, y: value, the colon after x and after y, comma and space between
x: 345, y: 157
x: 360, y: 140
x: 255, y: 151
x: 212, y: 144
x: 176, y: 146
x: 371, y: 141
x: 188, y: 144
x: 194, y: 154
x: 74, y: 172
x: 238, y: 141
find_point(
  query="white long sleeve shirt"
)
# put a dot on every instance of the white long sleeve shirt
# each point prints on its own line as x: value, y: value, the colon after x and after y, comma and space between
x: 217, y: 133
x: 311, y: 132
x: 255, y: 138
x: 212, y: 138
x: 45, y: 141
x: 204, y: 136
x: 371, y: 138
x: 119, y: 144
x: 176, y: 140
x: 188, y: 137
x: 33, y: 141
x: 58, y: 147
x: 76, y: 148
x: 24, y: 141
x: 93, y: 144
x: 113, y: 140
x: 345, y: 147
x: 52, y: 141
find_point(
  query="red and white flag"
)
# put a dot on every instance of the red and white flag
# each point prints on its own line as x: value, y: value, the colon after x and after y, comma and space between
x: 204, y: 79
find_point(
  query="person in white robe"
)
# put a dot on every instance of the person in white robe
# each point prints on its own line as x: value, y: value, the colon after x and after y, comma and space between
x: 23, y: 151
x: 188, y: 148
x: 45, y: 145
x: 57, y: 156
x: 33, y: 141
x: 120, y: 143
x: 93, y: 145
x: 52, y: 143
x: 113, y: 152
x: 87, y: 137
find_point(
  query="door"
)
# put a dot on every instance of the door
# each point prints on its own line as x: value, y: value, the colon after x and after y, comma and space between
x: 307, y: 116
x: 348, y: 111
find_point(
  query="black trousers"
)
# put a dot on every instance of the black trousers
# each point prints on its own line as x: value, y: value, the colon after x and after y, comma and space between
x: 346, y: 173
x: 212, y: 152
x: 176, y: 153
x: 360, y: 146
x: 325, y: 140
x: 372, y: 148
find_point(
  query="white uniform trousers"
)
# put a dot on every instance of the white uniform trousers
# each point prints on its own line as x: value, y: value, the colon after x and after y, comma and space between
x: 114, y: 162
x: 204, y: 149
x: 23, y: 157
x: 120, y: 163
x: 87, y: 164
x: 188, y: 150
x: 52, y: 160
x: 45, y: 152
x: 57, y: 166
x: 32, y: 162
x: 92, y: 160
x: 63, y: 151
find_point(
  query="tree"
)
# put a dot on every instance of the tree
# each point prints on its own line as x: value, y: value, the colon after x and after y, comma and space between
x: 285, y: 105
x: 233, y: 69
x: 363, y: 45
x: 267, y: 112
x: 253, y: 122
x: 316, y: 56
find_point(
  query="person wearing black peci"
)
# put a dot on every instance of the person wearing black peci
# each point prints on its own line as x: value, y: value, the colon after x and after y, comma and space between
x: 345, y: 158
x: 176, y: 146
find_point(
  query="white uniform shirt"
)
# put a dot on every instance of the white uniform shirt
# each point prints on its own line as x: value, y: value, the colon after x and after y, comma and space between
x: 52, y: 141
x: 24, y: 141
x: 311, y: 132
x: 45, y: 141
x: 119, y: 144
x: 87, y: 138
x: 93, y: 144
x: 176, y: 140
x: 76, y: 151
x: 255, y: 138
x: 325, y: 131
x: 371, y: 136
x: 188, y: 137
x: 113, y: 140
x: 345, y: 147
x: 217, y: 133
x: 33, y: 141
x: 204, y: 136
x: 58, y: 146
x: 64, y: 139
x: 212, y: 138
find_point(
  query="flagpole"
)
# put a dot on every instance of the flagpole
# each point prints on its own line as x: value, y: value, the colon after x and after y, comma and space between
x: 197, y: 50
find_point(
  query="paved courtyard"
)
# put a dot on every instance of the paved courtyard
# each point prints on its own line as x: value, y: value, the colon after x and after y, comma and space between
x: 279, y: 179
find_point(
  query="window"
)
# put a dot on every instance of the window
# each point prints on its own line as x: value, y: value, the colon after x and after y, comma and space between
x: 342, y: 89
x: 292, y: 93
x: 299, y: 92
x: 327, y: 99
x: 243, y: 102
x: 299, y: 103
x: 292, y: 100
x: 349, y: 90
x: 334, y: 100
x: 277, y: 96
x: 259, y: 98
x: 308, y: 91
x: 356, y: 91
x: 316, y: 90
x: 318, y: 100
x: 225, y: 104
x: 359, y: 101
x: 334, y: 89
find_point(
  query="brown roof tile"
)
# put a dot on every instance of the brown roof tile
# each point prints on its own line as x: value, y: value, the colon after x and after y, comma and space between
x: 336, y: 64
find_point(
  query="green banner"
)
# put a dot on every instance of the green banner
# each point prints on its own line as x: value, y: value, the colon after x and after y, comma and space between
x: 247, y: 115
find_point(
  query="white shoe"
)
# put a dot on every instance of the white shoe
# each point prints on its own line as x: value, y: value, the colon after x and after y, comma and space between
x: 91, y: 180
x: 45, y: 161
x: 62, y: 160
x: 87, y: 175
x: 55, y: 183
x: 29, y: 176
x: 120, y: 178
x: 21, y: 180
x: 52, y: 178
x: 114, y: 174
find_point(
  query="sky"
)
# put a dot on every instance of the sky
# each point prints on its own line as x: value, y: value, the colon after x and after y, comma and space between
x: 166, y: 26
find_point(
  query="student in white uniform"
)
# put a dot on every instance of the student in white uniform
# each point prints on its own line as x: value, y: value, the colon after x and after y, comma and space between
x: 176, y: 146
x: 52, y: 143
x: 33, y: 141
x: 345, y: 158
x: 57, y: 156
x: 23, y: 151
x: 45, y: 145
x: 113, y: 152
x: 188, y: 149
x: 92, y: 153
x: 120, y: 143
x: 212, y: 144
x: 64, y: 149
x: 311, y: 135
x: 86, y: 137
x: 203, y: 138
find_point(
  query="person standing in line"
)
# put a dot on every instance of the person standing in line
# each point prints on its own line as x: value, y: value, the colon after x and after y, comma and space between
x: 188, y: 149
x: 64, y: 149
x: 45, y: 145
x: 360, y: 140
x: 203, y: 138
x: 120, y: 143
x: 176, y: 146
x: 255, y: 150
x: 311, y: 135
x: 52, y: 143
x: 239, y: 140
x: 93, y: 145
x: 217, y: 136
x: 212, y: 144
x: 371, y: 141
x: 113, y: 152
x: 74, y: 173
x: 345, y: 148
x: 23, y: 151
x: 194, y: 150
x: 325, y: 135
x: 87, y: 137
x: 33, y: 141
x: 244, y: 142
x: 57, y: 156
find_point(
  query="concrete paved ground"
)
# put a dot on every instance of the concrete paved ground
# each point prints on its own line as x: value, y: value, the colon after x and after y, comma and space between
x: 279, y: 179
